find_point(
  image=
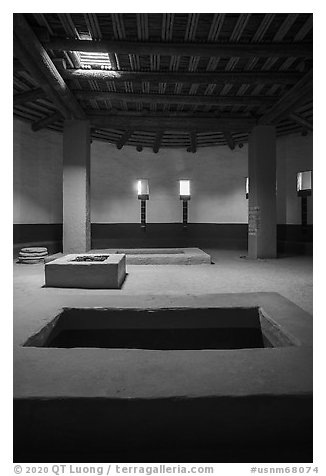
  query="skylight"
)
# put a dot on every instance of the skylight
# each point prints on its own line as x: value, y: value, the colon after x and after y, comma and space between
x: 89, y: 60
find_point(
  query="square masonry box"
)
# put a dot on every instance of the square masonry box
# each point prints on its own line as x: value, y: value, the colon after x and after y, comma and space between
x: 90, y: 271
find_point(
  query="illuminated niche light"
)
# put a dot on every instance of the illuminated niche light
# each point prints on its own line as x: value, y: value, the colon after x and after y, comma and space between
x: 143, y: 189
x: 247, y: 187
x: 184, y: 189
x: 143, y: 195
x: 304, y: 183
x: 184, y: 196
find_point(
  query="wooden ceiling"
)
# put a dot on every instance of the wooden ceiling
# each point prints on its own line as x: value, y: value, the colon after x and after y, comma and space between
x: 165, y: 80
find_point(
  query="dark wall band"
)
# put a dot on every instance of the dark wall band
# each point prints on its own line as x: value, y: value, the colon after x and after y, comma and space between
x: 290, y: 238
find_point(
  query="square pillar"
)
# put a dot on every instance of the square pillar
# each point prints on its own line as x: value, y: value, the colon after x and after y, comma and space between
x: 262, y: 193
x: 76, y: 187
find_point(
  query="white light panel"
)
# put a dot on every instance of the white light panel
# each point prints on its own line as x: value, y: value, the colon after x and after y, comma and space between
x: 142, y: 187
x: 184, y: 187
x: 304, y: 180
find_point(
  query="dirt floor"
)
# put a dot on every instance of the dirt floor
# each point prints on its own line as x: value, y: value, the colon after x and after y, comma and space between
x: 290, y: 276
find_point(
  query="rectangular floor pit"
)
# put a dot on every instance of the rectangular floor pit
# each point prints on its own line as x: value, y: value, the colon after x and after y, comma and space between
x: 161, y: 256
x: 161, y: 329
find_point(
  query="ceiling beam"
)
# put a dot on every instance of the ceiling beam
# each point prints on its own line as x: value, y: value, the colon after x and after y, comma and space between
x: 245, y: 77
x: 124, y: 139
x: 46, y: 121
x: 174, y: 123
x: 302, y: 121
x: 297, y: 95
x: 228, y: 116
x: 33, y: 69
x: 28, y: 96
x: 229, y: 139
x: 239, y: 50
x: 178, y: 99
x: 37, y: 62
x: 158, y: 141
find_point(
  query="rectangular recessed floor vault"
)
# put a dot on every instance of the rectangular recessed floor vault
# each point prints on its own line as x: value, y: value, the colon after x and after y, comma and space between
x: 161, y: 329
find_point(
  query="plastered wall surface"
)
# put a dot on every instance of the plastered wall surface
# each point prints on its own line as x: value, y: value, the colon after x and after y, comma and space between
x: 37, y: 175
x: 216, y: 174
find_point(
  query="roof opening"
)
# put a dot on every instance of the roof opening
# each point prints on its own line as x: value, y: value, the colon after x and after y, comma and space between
x: 90, y: 60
